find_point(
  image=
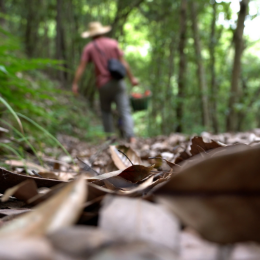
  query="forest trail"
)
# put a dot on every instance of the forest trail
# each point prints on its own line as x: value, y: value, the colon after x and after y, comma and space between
x: 65, y: 193
x: 175, y: 197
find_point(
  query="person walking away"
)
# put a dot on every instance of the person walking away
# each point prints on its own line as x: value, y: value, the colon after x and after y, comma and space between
x: 99, y: 51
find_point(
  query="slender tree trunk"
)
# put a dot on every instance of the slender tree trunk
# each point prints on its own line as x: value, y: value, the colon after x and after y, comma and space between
x: 2, y: 10
x: 60, y: 41
x: 182, y: 66
x: 201, y: 72
x: 248, y: 103
x: 29, y: 45
x: 156, y: 99
x: 167, y: 121
x: 214, y: 90
x: 243, y: 99
x: 238, y: 41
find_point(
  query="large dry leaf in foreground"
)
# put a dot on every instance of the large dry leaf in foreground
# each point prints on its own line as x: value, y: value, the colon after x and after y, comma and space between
x: 233, y: 170
x: 120, y: 160
x: 134, y: 219
x: 221, y: 219
x: 60, y: 210
x: 220, y: 196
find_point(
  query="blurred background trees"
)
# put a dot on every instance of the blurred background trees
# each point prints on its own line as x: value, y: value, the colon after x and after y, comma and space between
x: 195, y: 56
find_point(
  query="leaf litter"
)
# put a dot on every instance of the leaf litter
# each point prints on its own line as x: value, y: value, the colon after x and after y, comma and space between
x: 169, y: 197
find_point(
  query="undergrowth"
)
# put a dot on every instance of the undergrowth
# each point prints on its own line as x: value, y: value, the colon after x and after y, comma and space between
x: 47, y: 109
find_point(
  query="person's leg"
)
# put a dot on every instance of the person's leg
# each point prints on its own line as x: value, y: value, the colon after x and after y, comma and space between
x: 123, y: 107
x: 106, y: 99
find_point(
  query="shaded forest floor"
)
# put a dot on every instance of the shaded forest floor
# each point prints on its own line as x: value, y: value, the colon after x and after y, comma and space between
x: 185, y: 203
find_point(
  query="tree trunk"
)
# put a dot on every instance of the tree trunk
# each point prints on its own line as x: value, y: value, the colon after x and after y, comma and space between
x: 238, y: 42
x: 214, y: 90
x: 201, y: 73
x: 30, y: 23
x: 60, y: 41
x: 167, y: 120
x: 248, y: 103
x: 182, y: 66
x: 2, y: 10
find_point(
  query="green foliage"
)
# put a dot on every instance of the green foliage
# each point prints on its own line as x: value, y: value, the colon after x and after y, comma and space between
x: 149, y: 36
x: 27, y: 91
x: 17, y: 86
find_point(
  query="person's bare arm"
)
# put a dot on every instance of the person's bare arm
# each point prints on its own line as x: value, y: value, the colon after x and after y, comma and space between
x: 134, y: 81
x: 78, y: 76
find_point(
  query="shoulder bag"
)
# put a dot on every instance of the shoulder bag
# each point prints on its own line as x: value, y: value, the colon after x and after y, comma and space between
x: 115, y: 67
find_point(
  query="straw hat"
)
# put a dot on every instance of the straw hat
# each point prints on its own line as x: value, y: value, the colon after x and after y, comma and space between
x: 95, y: 28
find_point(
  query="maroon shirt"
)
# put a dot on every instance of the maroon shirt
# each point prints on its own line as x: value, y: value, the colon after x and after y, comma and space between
x: 91, y: 54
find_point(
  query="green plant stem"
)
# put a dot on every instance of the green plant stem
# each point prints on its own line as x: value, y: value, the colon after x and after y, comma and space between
x: 47, y: 133
x: 13, y: 113
x: 12, y: 150
x: 26, y: 140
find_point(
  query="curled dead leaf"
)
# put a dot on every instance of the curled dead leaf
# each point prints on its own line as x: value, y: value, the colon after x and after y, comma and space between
x: 136, y: 173
x: 198, y: 145
x: 120, y: 160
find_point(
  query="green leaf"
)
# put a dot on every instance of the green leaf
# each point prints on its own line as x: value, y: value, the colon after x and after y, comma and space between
x: 3, y: 69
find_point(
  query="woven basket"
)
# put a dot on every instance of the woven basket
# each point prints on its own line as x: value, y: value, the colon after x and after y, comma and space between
x: 139, y: 103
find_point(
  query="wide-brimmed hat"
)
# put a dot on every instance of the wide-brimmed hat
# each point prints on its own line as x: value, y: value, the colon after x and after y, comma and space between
x: 95, y: 28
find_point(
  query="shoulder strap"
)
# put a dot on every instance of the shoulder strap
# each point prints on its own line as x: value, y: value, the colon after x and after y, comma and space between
x: 99, y: 50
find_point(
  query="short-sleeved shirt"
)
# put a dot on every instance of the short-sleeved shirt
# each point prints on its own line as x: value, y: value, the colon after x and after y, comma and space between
x: 91, y: 54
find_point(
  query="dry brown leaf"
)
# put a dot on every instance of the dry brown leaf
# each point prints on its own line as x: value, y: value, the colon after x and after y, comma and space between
x: 9, y: 179
x: 157, y: 161
x: 43, y: 196
x: 61, y: 210
x: 140, y: 220
x: 219, y: 196
x: 49, y: 175
x: 120, y: 183
x: 182, y: 157
x: 198, y: 145
x: 109, y: 185
x: 23, y: 191
x: 95, y: 191
x: 141, y: 187
x: 104, y: 176
x: 26, y: 164
x: 120, y: 159
x: 63, y: 176
x: 79, y: 241
x: 136, y: 173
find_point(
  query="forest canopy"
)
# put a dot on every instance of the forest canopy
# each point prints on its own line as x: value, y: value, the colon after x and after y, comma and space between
x: 200, y: 59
